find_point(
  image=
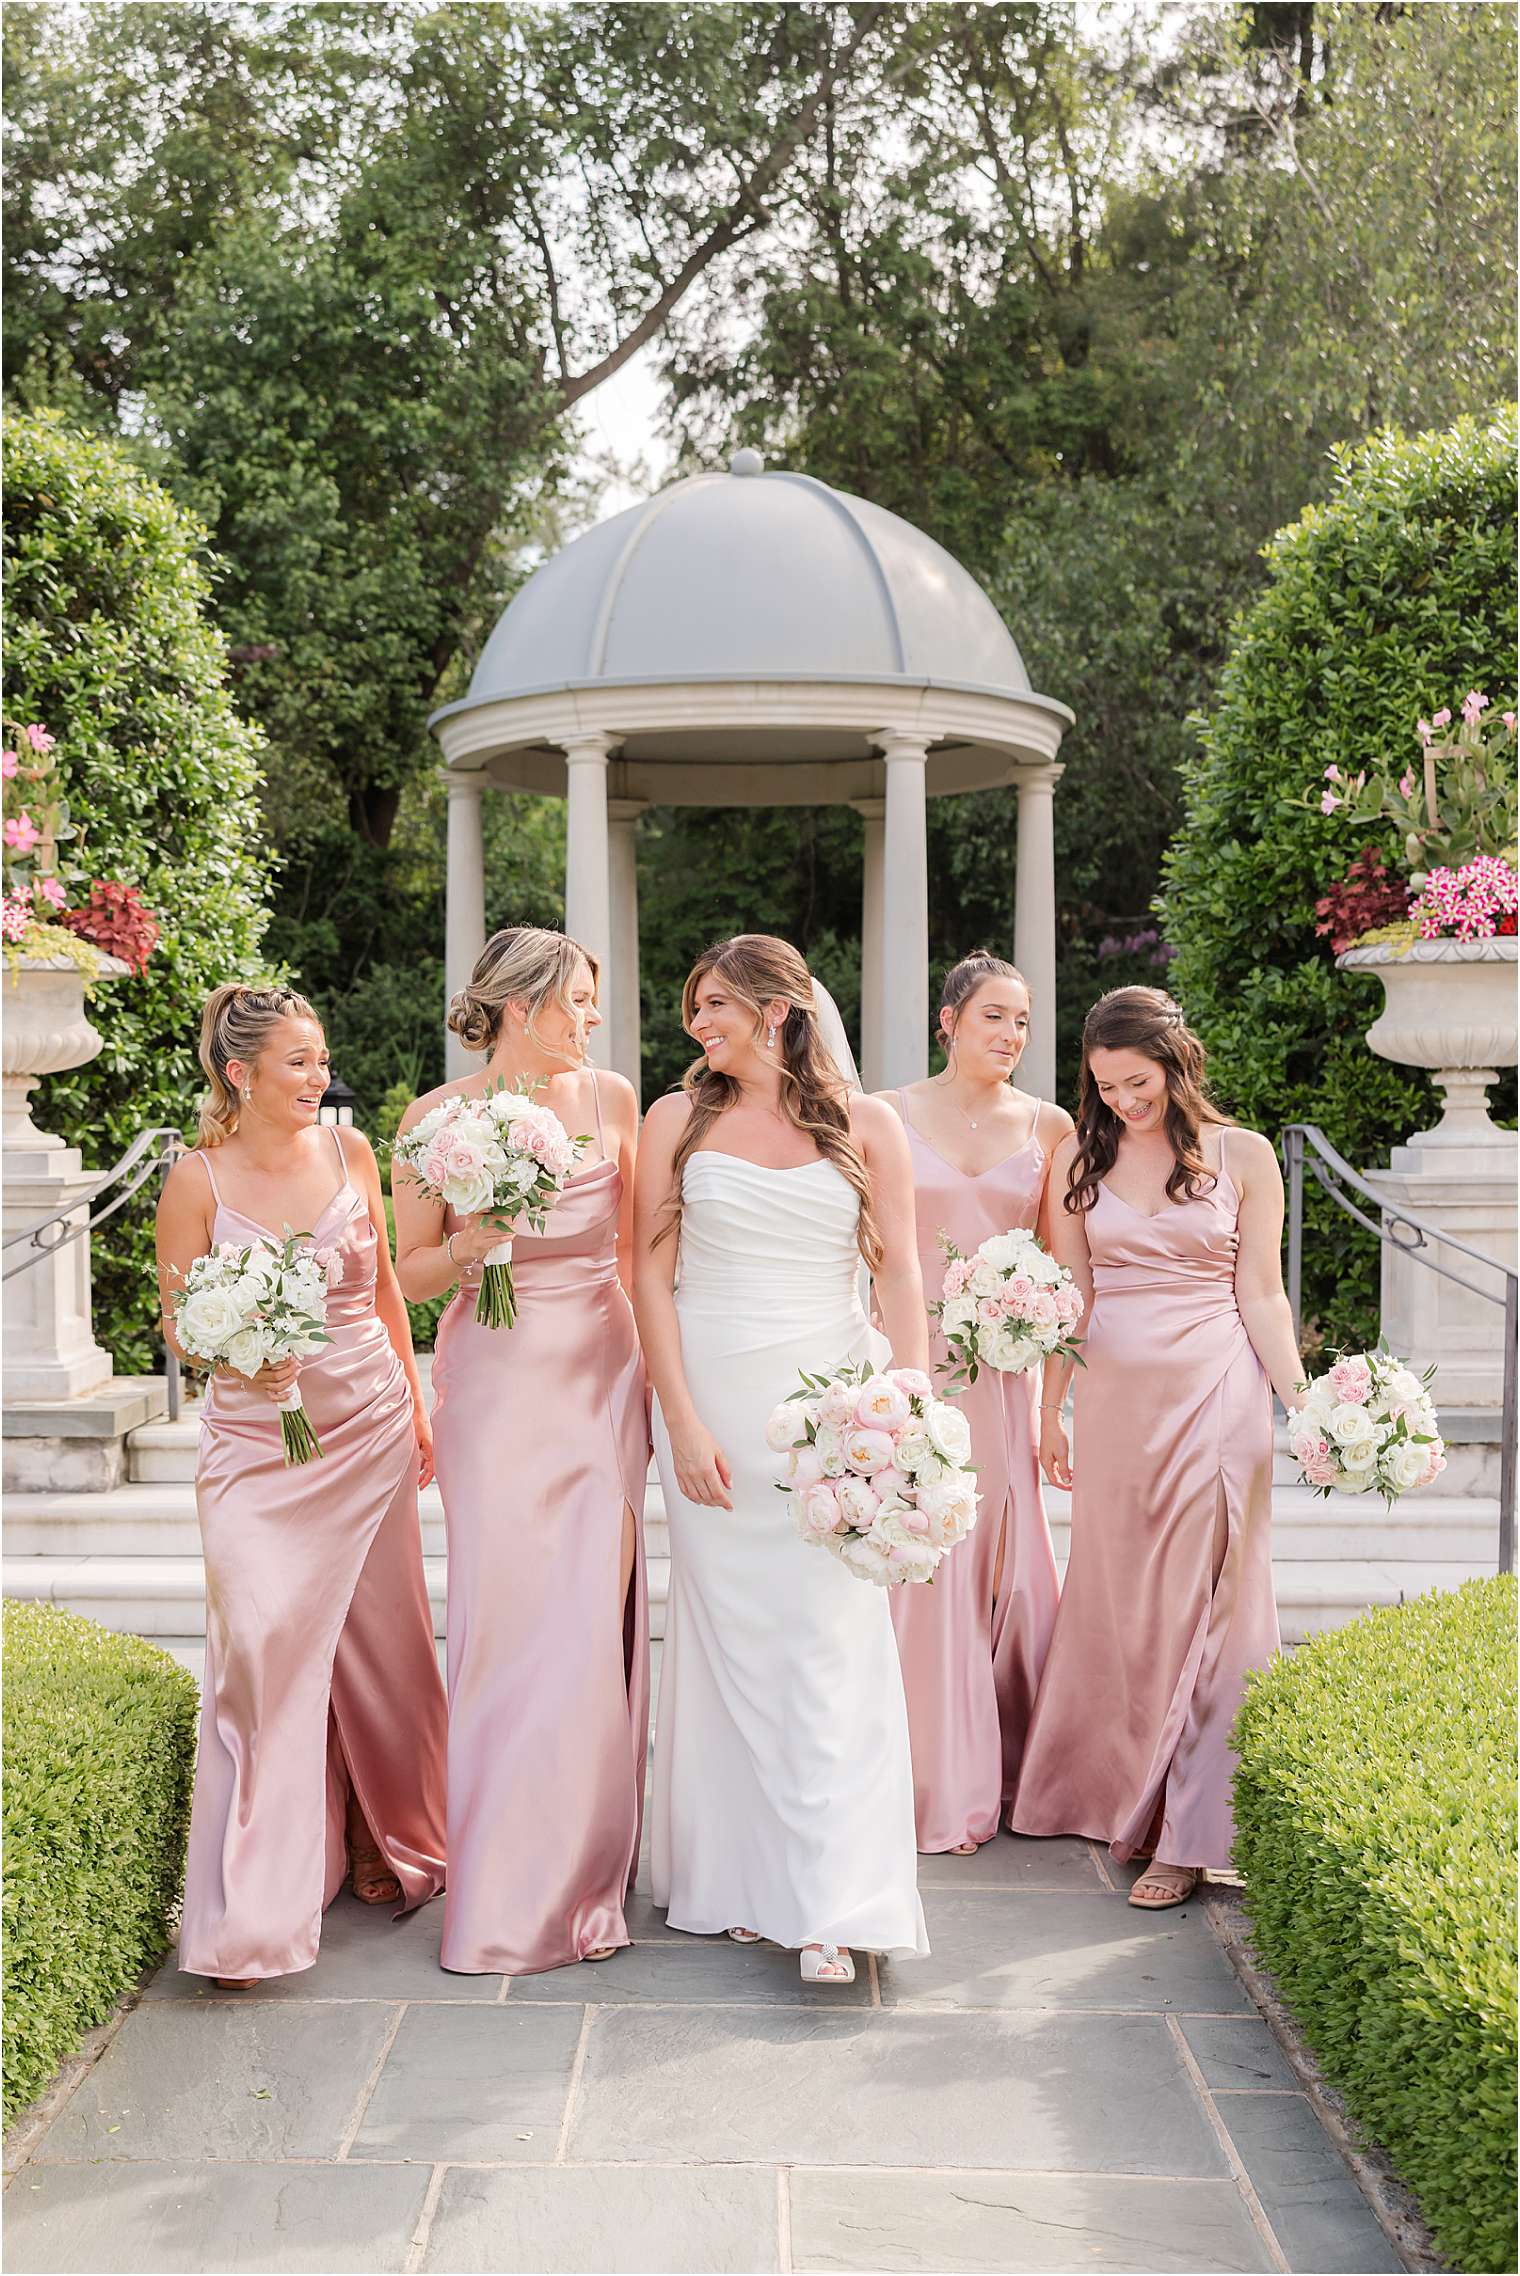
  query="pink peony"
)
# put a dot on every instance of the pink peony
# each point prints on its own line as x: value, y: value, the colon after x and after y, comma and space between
x: 806, y: 1467
x: 882, y: 1405
x: 913, y: 1381
x: 891, y: 1481
x: 867, y: 1451
x: 820, y: 1510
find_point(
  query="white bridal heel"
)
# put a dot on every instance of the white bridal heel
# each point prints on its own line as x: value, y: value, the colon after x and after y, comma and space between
x: 745, y: 1935
x: 826, y: 1964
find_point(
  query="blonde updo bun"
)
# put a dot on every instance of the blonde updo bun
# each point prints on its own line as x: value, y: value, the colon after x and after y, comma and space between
x: 524, y: 961
x: 236, y: 1023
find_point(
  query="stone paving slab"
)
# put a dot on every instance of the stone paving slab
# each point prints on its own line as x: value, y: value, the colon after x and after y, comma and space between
x: 149, y: 2218
x: 769, y: 2086
x: 685, y: 1970
x: 360, y: 1944
x: 1070, y: 1951
x: 625, y: 2220
x: 255, y: 2082
x: 1015, y: 1861
x: 1237, y: 2051
x: 1319, y: 2215
x: 1018, y: 2223
x: 473, y: 2082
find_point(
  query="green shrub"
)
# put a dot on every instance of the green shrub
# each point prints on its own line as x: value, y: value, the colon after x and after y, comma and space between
x: 1391, y: 600
x: 1375, y: 1827
x: 99, y: 1746
x: 108, y: 644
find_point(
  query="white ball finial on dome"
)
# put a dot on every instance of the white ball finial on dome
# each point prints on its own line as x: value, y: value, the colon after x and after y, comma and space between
x: 746, y: 461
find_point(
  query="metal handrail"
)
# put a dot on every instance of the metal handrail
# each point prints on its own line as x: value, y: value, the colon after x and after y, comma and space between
x: 1304, y: 1142
x: 154, y: 1149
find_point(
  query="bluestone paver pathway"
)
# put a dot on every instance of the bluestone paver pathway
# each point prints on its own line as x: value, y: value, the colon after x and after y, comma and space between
x: 1064, y: 2084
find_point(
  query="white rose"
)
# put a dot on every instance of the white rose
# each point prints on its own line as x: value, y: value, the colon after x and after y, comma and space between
x: 247, y: 1351
x: 1361, y: 1459
x: 913, y: 1555
x: 1405, y: 1463
x: 469, y: 1195
x: 1402, y: 1384
x: 866, y: 1558
x: 206, y: 1319
x: 985, y: 1279
x: 1004, y: 1250
x: 783, y: 1429
x: 1357, y: 1481
x: 1352, y: 1426
x: 949, y: 1432
x: 915, y: 1453
x: 958, y: 1315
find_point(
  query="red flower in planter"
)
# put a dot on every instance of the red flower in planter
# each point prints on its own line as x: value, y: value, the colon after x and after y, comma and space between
x: 116, y: 919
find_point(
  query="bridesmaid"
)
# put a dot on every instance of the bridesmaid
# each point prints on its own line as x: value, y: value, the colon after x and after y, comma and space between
x: 323, y: 1720
x: 543, y: 1449
x: 1171, y: 1221
x: 973, y: 1646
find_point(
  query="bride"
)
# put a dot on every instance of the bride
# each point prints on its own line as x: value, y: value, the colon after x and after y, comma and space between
x: 783, y: 1794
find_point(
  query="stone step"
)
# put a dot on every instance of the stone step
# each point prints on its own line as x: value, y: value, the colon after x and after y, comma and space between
x: 151, y: 1520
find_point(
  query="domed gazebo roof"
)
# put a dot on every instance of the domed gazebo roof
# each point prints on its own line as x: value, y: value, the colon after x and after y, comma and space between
x: 758, y: 627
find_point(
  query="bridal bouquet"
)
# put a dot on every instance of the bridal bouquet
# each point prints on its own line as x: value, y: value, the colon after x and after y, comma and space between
x: 1008, y: 1306
x: 499, y: 1153
x: 877, y: 1471
x: 1368, y: 1423
x: 245, y: 1308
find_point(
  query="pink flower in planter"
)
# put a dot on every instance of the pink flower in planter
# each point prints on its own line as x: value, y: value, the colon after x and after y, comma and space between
x: 8, y: 764
x: 1426, y: 731
x: 1441, y: 718
x: 1508, y: 718
x: 1406, y: 786
x: 1329, y: 802
x: 52, y: 892
x: 1332, y: 774
x: 22, y: 834
x: 39, y: 738
x: 1473, y: 707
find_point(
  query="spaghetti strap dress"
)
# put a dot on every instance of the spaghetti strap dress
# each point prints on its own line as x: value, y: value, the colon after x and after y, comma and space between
x: 972, y: 1652
x: 321, y: 1671
x: 541, y: 1437
x: 1168, y: 1600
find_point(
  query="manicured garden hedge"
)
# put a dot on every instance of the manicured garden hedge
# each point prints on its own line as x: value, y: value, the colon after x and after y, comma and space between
x: 99, y: 1744
x: 1390, y: 600
x: 1375, y: 1815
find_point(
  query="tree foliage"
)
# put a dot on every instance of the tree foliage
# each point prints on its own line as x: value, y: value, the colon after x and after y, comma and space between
x: 108, y: 644
x: 1388, y: 601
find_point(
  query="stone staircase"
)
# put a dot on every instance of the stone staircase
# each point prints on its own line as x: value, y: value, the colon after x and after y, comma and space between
x: 129, y: 1557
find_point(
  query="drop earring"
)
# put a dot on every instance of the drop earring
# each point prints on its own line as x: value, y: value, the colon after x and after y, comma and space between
x: 770, y: 1039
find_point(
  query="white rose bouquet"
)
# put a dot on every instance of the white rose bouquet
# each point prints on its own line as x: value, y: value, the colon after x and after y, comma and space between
x: 877, y: 1471
x: 1368, y: 1424
x: 249, y: 1308
x: 1008, y: 1306
x: 501, y: 1155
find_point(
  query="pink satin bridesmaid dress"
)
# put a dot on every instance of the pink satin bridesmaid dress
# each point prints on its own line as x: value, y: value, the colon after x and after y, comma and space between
x: 973, y: 1645
x: 541, y: 1436
x: 320, y: 1666
x: 1168, y: 1599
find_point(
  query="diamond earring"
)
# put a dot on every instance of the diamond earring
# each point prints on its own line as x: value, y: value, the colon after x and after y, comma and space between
x: 770, y: 1039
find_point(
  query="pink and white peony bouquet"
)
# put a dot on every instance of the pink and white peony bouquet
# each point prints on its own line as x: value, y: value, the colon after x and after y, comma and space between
x: 1008, y: 1306
x: 1367, y: 1425
x: 878, y: 1470
x: 245, y: 1308
x: 499, y: 1155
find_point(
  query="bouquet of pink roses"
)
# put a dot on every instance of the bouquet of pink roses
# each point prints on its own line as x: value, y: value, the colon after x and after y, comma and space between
x: 1008, y: 1307
x: 1368, y: 1424
x: 498, y: 1154
x: 877, y: 1470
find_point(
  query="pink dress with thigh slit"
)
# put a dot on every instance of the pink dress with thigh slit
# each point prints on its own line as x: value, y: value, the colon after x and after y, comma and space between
x: 541, y: 1437
x: 971, y: 1652
x: 1168, y: 1597
x: 320, y: 1664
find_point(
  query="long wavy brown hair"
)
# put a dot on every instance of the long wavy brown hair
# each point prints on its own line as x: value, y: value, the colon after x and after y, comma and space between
x: 1144, y: 1020
x: 755, y: 968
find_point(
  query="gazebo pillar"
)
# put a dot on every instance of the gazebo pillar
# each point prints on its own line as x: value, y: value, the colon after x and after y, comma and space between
x: 465, y: 900
x: 873, y: 813
x: 905, y: 890
x: 622, y: 993
x: 1034, y: 923
x: 588, y: 858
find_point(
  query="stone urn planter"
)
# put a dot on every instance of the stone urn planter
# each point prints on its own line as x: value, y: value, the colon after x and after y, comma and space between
x: 50, y: 1352
x: 1449, y: 1006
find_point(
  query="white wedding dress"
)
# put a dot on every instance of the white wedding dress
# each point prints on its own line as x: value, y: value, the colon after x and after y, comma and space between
x: 783, y: 1788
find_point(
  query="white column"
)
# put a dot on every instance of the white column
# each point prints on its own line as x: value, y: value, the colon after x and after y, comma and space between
x: 1034, y: 923
x: 905, y: 891
x: 588, y: 859
x: 621, y: 988
x: 465, y: 901
x: 873, y: 812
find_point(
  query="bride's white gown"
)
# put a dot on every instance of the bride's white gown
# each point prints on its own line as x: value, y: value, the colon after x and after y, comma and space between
x: 783, y: 1788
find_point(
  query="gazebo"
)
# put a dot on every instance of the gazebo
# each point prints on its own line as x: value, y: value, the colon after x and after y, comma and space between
x: 756, y: 638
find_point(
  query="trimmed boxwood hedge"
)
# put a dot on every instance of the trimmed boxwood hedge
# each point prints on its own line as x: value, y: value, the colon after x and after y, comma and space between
x: 1375, y: 1828
x: 99, y: 1748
